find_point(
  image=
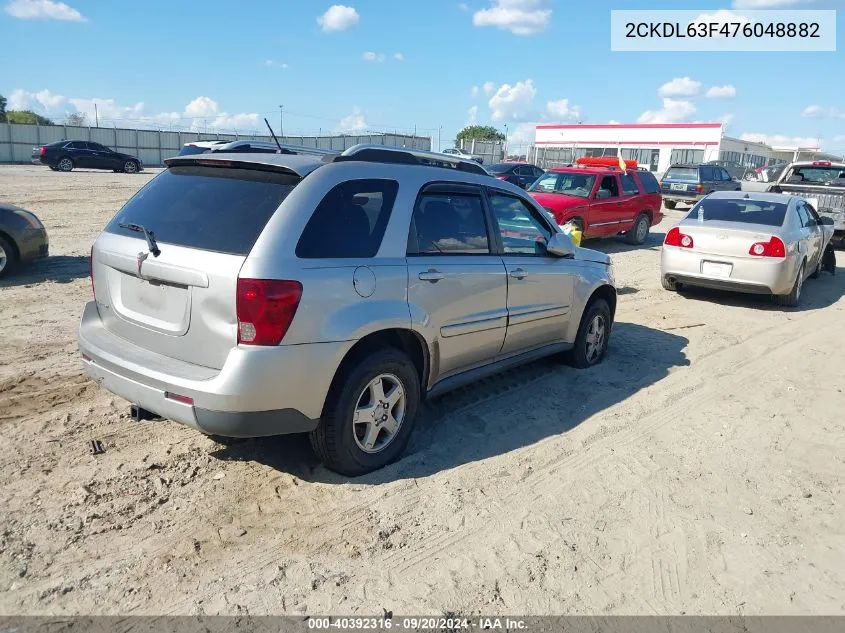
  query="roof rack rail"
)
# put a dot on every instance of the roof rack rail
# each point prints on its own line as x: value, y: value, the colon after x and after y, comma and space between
x: 405, y: 156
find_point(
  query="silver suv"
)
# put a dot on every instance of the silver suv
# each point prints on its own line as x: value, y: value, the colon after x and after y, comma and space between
x: 249, y: 295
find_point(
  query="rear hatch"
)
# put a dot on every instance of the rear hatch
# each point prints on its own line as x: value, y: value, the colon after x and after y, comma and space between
x: 204, y: 219
x: 681, y: 181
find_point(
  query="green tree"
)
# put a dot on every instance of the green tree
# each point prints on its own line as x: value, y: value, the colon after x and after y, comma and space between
x: 78, y: 119
x: 480, y: 133
x: 27, y: 117
x: 2, y: 109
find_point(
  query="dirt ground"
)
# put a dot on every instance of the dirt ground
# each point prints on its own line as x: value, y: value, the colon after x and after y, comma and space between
x: 698, y: 470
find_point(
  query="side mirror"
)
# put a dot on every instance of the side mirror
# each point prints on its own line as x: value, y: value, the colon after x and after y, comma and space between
x: 561, y: 245
x: 601, y: 194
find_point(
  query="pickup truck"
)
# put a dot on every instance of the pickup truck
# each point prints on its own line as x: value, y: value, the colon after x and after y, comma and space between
x: 822, y: 184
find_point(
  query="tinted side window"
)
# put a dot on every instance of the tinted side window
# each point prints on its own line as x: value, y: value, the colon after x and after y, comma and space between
x: 648, y: 181
x: 725, y: 175
x: 76, y: 145
x: 449, y: 225
x: 211, y: 208
x: 609, y: 183
x: 629, y: 187
x: 522, y: 233
x: 350, y: 220
x: 96, y: 147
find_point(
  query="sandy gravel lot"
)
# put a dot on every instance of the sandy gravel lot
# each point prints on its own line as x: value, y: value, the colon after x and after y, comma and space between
x: 698, y: 470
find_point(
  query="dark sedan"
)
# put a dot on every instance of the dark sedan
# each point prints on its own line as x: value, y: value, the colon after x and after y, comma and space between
x: 66, y: 155
x: 521, y: 174
x: 22, y: 237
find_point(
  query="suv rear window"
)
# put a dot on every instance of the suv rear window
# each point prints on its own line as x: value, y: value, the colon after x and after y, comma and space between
x: 682, y: 173
x: 739, y: 210
x: 190, y: 150
x: 648, y: 181
x: 210, y: 208
x: 350, y: 221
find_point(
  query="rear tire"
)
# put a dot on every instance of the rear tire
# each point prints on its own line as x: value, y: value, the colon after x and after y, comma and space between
x: 8, y: 257
x: 130, y: 167
x: 639, y: 232
x: 65, y: 164
x: 341, y: 433
x: 794, y: 297
x: 593, y: 335
x: 669, y: 204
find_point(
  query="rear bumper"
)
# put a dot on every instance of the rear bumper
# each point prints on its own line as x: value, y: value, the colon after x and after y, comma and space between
x: 683, y: 198
x: 757, y: 276
x: 258, y: 392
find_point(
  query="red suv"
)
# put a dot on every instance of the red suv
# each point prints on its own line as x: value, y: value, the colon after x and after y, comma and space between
x: 602, y: 199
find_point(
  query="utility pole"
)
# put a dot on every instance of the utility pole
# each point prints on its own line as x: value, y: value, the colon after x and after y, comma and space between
x: 96, y: 115
x: 281, y: 121
x: 439, y: 134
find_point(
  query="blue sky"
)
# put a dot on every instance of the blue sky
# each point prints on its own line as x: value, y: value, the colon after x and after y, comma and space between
x: 428, y: 65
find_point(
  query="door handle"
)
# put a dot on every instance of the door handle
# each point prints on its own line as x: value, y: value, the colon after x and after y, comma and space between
x: 518, y: 273
x: 431, y: 275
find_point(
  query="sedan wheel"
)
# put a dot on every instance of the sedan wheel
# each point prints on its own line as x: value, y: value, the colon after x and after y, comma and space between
x: 65, y: 164
x: 7, y: 257
x: 130, y: 167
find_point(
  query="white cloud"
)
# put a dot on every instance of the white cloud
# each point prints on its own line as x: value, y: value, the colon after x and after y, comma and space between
x: 352, y: 123
x: 673, y: 110
x: 766, y: 4
x: 562, y: 110
x: 338, y: 18
x: 780, y: 139
x: 473, y: 92
x: 370, y: 56
x: 489, y: 87
x: 821, y: 112
x: 472, y: 115
x: 399, y: 57
x: 513, y: 102
x: 679, y: 87
x: 522, y: 134
x: 201, y: 107
x: 43, y: 10
x: 520, y: 17
x: 613, y: 122
x: 271, y: 63
x: 722, y: 92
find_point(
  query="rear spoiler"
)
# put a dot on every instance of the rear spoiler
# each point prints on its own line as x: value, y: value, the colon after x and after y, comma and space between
x: 232, y: 160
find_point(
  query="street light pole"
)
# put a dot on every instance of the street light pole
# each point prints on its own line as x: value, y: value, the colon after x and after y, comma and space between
x: 281, y: 121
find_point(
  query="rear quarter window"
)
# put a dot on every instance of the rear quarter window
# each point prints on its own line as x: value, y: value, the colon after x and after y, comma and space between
x: 210, y: 208
x: 648, y: 181
x: 350, y: 221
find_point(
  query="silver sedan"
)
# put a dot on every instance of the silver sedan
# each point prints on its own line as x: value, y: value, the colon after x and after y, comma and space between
x: 763, y: 243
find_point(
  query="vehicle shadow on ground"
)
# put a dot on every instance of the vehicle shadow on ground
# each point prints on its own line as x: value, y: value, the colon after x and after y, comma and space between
x: 497, y: 415
x: 817, y: 294
x: 613, y: 245
x: 59, y: 268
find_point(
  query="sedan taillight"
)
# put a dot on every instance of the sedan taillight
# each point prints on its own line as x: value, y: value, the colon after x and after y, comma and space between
x: 675, y: 238
x: 43, y: 150
x: 773, y: 248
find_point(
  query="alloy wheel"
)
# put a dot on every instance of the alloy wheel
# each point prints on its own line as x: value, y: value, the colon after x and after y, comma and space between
x: 379, y: 413
x: 596, y: 333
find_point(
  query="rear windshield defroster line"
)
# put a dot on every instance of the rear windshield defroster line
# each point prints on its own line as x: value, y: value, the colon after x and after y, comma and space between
x: 222, y: 209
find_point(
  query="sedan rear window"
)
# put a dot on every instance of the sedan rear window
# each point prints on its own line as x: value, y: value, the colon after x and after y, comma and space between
x: 500, y: 168
x: 739, y: 210
x: 219, y: 209
x: 682, y: 173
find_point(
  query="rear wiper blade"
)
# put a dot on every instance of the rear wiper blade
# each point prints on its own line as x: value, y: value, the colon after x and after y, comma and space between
x: 148, y: 235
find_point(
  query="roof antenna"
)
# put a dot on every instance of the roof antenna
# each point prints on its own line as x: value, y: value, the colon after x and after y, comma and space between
x: 273, y: 133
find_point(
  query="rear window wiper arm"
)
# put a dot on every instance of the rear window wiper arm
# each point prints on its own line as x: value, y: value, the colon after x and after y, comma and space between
x: 148, y: 235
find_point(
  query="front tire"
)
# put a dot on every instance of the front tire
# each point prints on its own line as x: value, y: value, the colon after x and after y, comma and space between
x: 639, y: 232
x: 794, y: 297
x: 669, y: 204
x: 369, y: 413
x: 8, y: 257
x: 593, y: 335
x: 65, y: 164
x: 130, y: 167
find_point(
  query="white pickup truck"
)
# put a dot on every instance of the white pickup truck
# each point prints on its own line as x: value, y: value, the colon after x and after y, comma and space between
x: 822, y: 184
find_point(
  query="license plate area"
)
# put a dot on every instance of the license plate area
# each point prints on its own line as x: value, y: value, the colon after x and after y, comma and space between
x: 677, y: 187
x: 719, y: 270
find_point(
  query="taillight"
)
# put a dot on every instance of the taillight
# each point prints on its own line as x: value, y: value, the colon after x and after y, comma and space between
x: 265, y: 309
x: 773, y: 248
x: 501, y: 177
x: 43, y: 150
x: 91, y: 272
x: 675, y: 238
x: 699, y: 188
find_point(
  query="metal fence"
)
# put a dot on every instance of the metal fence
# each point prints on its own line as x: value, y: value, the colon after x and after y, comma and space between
x: 153, y: 146
x: 490, y: 151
